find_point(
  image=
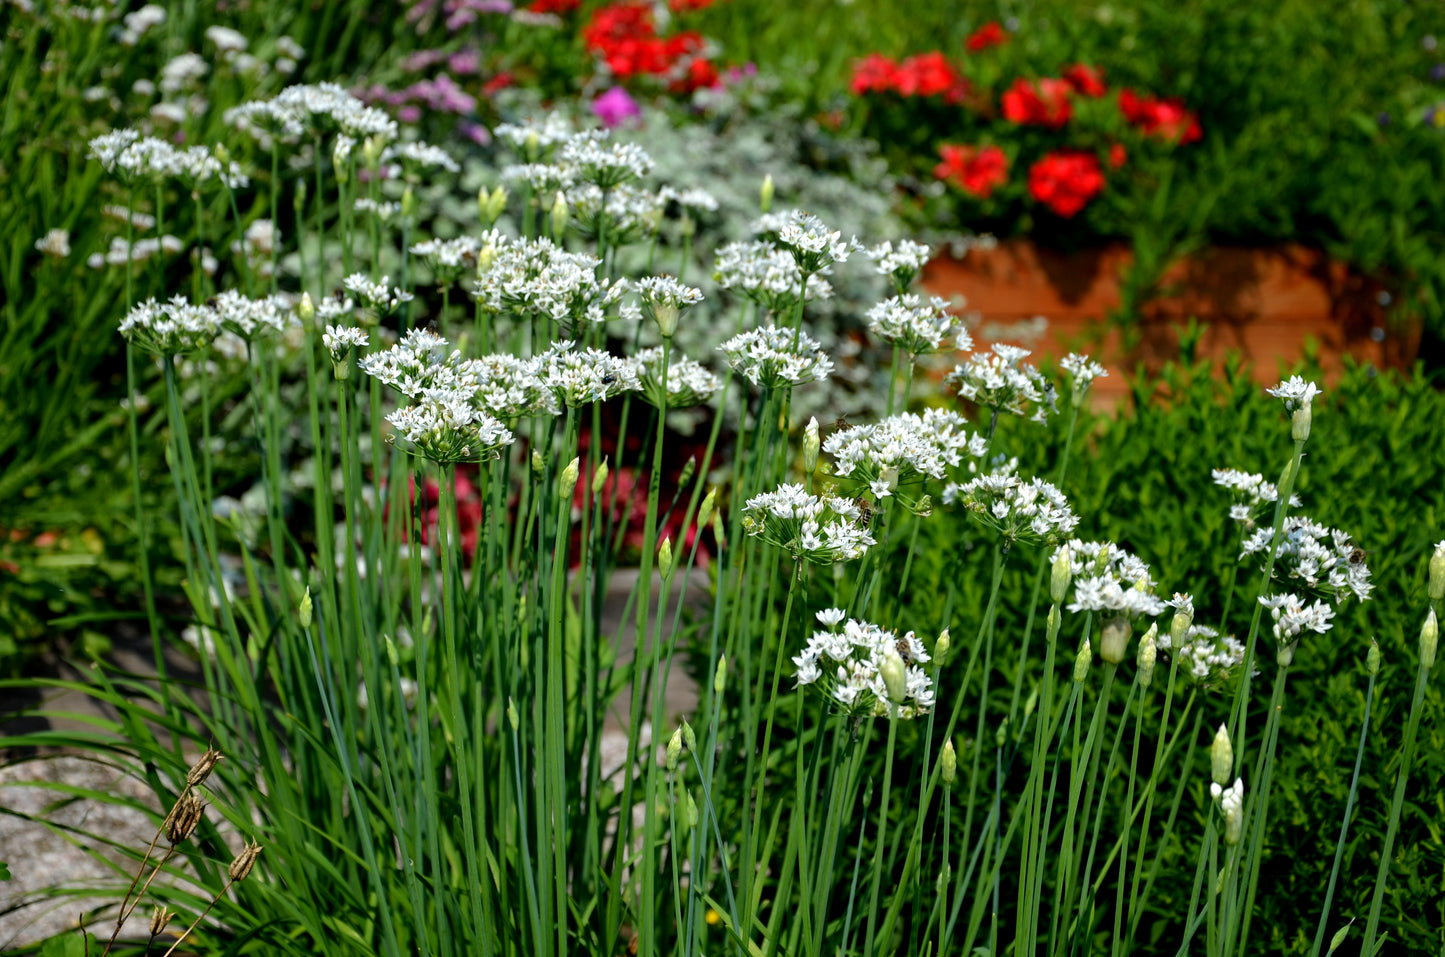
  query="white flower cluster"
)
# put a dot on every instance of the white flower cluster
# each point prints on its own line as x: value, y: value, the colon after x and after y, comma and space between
x: 449, y: 258
x: 1295, y: 392
x: 902, y: 447
x: 341, y: 340
x: 602, y: 163
x: 317, y: 109
x: 813, y: 246
x: 1292, y: 617
x: 120, y: 252
x: 421, y: 362
x: 543, y: 179
x: 770, y: 357
x: 135, y: 158
x: 628, y: 213
x: 538, y: 278
x: 1083, y: 371
x: 916, y: 326
x: 663, y: 298
x: 1322, y: 559
x: 1000, y: 381
x: 170, y: 328
x: 818, y: 528
x: 1205, y: 656
x: 536, y: 136
x: 417, y: 158
x: 689, y: 383
x: 446, y: 426
x: 384, y: 210
x: 699, y: 199
x: 258, y: 246
x: 55, y: 242
x: 1231, y: 805
x: 578, y: 377
x: 849, y: 666
x: 767, y: 276
x: 1111, y: 580
x: 248, y: 317
x: 901, y: 264
x: 380, y: 296
x: 1022, y: 510
x: 1251, y: 494
x: 510, y: 387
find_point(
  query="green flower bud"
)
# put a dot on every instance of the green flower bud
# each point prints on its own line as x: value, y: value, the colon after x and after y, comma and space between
x: 1114, y: 640
x: 223, y: 155
x: 664, y: 557
x: 1032, y: 702
x: 1221, y: 757
x: 891, y: 671
x: 559, y: 217
x: 1148, y: 651
x: 689, y: 738
x: 689, y: 469
x: 765, y: 195
x: 485, y: 257
x: 389, y: 646
x: 1436, y: 588
x: 1284, y: 655
x: 1082, y: 662
x: 568, y: 479
x: 704, y: 511
x: 371, y: 149
x: 512, y: 713
x: 948, y: 764
x: 298, y: 198
x: 1179, y: 626
x: 1052, y: 621
x: 599, y: 478
x: 340, y: 162
x: 665, y: 315
x: 1000, y: 737
x: 303, y: 613
x: 408, y: 203
x: 720, y: 676
x: 674, y: 749
x: 689, y: 815
x: 1429, y: 635
x: 306, y: 309
x: 1062, y: 576
x: 1372, y: 658
x: 1339, y: 938
x: 537, y: 462
x: 940, y: 648
x: 811, y: 444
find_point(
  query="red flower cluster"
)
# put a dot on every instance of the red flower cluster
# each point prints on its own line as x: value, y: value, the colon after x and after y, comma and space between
x: 927, y: 74
x: 1066, y: 180
x: 557, y: 7
x: 1085, y: 80
x: 1043, y: 104
x: 683, y: 6
x: 624, y: 35
x: 991, y: 34
x: 975, y: 170
x: 1167, y: 119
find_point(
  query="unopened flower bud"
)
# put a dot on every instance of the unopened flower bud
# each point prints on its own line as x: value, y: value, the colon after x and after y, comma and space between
x: 720, y: 676
x: 532, y: 145
x: 1429, y: 636
x: 1114, y: 640
x: 1436, y: 587
x: 1062, y: 575
x: 1032, y: 702
x: 393, y: 657
x: 1082, y: 662
x: 1339, y: 938
x: 538, y: 464
x: 765, y: 194
x: 665, y: 315
x: 568, y: 479
x: 690, y: 815
x: 689, y: 469
x: 664, y: 557
x: 674, y: 749
x: 1052, y: 619
x: 244, y: 861
x: 948, y: 764
x: 1148, y: 654
x: 1284, y: 655
x: 1300, y: 423
x: 512, y: 714
x: 159, y: 919
x: 306, y: 309
x: 492, y: 205
x: 408, y: 203
x: 891, y: 671
x: 811, y: 444
x: 371, y: 149
x: 1000, y: 737
x: 559, y: 217
x: 341, y: 161
x: 704, y: 511
x: 1221, y: 757
x: 298, y: 198
x: 1372, y: 658
x: 303, y: 611
x: 599, y: 477
x: 485, y: 257
x: 223, y: 155
x: 1234, y: 813
x: 940, y: 648
x: 203, y: 767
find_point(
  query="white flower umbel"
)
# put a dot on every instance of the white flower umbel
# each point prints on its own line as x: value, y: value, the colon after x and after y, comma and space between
x: 511, y: 388
x: 418, y: 159
x: 767, y: 275
x: 1252, y: 494
x: 690, y: 199
x: 384, y: 211
x: 812, y: 245
x: 421, y: 362
x: 449, y: 259
x: 537, y: 278
x: 543, y: 179
x: 689, y: 383
x: 1001, y: 381
x: 817, y: 528
x: 248, y: 317
x: 379, y: 296
x: 171, y: 328
x: 1021, y: 510
x: 848, y: 666
x: 1298, y: 395
x: 663, y: 299
x: 630, y: 213
x: 1316, y: 557
x: 916, y: 326
x: 535, y: 137
x: 1206, y: 657
x: 904, y: 448
x: 1082, y: 372
x: 1109, y: 596
x: 341, y: 340
x: 771, y: 357
x: 1105, y: 559
x: 1292, y: 618
x: 602, y: 163
x: 55, y: 242
x: 445, y: 426
x: 577, y: 377
x: 901, y: 263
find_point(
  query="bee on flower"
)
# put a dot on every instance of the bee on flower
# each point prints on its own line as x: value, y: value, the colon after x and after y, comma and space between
x: 822, y: 529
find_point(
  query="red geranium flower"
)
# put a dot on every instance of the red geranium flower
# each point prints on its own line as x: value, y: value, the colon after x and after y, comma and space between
x: 1085, y: 80
x: 991, y: 34
x: 1044, y: 104
x: 1167, y: 119
x: 701, y: 74
x: 875, y: 73
x: 975, y: 170
x: 929, y: 74
x: 554, y: 6
x: 1117, y: 155
x: 1066, y: 180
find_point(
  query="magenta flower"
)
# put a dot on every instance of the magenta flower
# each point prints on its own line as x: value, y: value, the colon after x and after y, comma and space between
x: 615, y: 107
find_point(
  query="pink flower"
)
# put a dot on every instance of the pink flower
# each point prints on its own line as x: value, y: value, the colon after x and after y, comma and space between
x: 615, y: 107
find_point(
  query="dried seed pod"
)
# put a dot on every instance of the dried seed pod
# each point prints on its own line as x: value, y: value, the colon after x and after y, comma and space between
x: 185, y: 818
x: 244, y: 861
x: 203, y: 766
x: 159, y: 919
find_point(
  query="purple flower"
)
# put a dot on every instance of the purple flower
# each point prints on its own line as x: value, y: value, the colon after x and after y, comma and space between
x: 465, y: 63
x: 1437, y: 72
x: 615, y: 107
x: 476, y: 133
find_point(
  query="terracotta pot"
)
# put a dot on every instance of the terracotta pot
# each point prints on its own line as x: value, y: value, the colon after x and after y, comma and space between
x: 1261, y: 302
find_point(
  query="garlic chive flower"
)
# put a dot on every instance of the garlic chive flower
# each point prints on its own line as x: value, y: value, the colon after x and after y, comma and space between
x: 510, y: 387
x: 812, y: 245
x: 849, y: 667
x: 690, y: 199
x: 629, y: 214
x: 1252, y: 494
x: 901, y: 264
x: 663, y: 298
x: 536, y: 277
x: 916, y: 326
x: 378, y: 296
x: 1000, y: 381
x: 446, y: 426
x: 249, y: 318
x: 822, y: 529
x: 543, y: 179
x: 449, y: 259
x: 903, y: 447
x: 1206, y: 657
x: 1115, y: 583
x: 534, y: 138
x: 418, y: 159
x: 602, y: 163
x: 1082, y: 372
x: 1231, y: 805
x: 767, y: 275
x: 1321, y: 559
x: 578, y: 377
x: 170, y: 328
x: 1030, y: 511
x: 1298, y: 395
x: 771, y: 357
x: 1292, y: 618
x: 341, y: 341
x: 689, y: 383
x: 421, y: 362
